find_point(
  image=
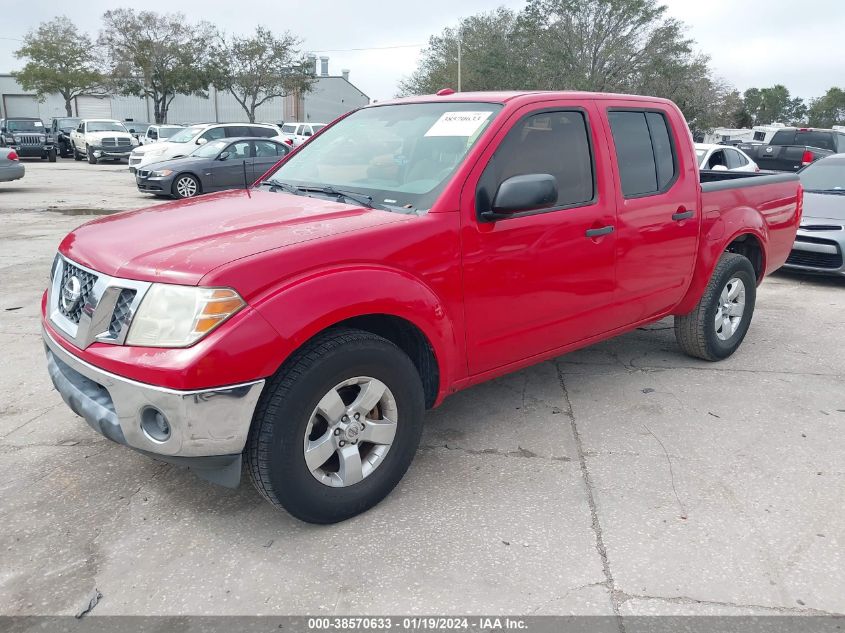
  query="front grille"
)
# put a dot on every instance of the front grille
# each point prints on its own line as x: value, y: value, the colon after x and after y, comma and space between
x: 86, y: 282
x: 830, y: 261
x: 143, y: 173
x: 110, y: 142
x: 31, y: 140
x: 121, y: 311
x: 134, y: 160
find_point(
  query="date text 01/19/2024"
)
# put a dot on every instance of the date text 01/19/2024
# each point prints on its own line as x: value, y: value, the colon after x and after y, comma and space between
x: 417, y: 623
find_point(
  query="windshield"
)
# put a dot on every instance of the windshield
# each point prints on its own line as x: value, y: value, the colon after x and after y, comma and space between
x: 166, y: 131
x: 140, y: 128
x: 288, y: 129
x: 25, y: 126
x: 66, y: 124
x: 105, y: 126
x: 186, y: 134
x: 824, y: 175
x: 210, y: 150
x: 401, y: 155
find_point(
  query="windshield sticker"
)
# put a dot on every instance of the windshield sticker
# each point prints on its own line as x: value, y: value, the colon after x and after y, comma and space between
x: 38, y: 124
x: 458, y: 123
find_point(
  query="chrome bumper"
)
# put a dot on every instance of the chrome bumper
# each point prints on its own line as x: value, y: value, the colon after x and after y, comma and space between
x: 817, y: 250
x: 205, y: 426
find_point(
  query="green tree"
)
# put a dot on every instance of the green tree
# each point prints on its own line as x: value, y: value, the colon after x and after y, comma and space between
x: 59, y: 59
x: 260, y: 67
x: 774, y: 105
x: 828, y: 110
x: 157, y: 55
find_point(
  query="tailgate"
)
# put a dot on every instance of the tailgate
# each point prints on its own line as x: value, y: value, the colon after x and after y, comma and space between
x: 780, y: 157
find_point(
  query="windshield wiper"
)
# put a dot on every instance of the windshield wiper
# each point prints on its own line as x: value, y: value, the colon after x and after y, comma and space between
x: 360, y: 198
x: 276, y: 184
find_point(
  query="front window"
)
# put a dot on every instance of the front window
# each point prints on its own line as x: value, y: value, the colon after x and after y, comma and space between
x: 25, y: 126
x: 186, y: 135
x: 825, y: 175
x: 401, y: 155
x: 105, y: 126
x: 209, y: 150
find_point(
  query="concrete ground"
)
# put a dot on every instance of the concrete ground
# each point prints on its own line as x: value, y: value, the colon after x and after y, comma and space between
x: 623, y: 478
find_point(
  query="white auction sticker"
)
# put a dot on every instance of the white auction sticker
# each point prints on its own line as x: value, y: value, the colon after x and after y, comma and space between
x: 458, y: 123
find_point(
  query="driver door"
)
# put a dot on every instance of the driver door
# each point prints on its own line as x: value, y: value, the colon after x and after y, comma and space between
x: 235, y: 170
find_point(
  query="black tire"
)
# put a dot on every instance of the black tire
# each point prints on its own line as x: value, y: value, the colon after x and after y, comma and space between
x: 51, y: 156
x: 76, y: 154
x: 91, y: 158
x: 274, y: 451
x: 696, y: 332
x: 174, y: 188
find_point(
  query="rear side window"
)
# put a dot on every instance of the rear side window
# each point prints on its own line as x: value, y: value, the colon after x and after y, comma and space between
x: 234, y: 131
x: 555, y: 143
x: 643, y: 151
x: 262, y: 132
x: 289, y: 129
x: 822, y: 140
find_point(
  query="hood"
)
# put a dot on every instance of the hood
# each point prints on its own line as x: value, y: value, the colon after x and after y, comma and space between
x: 100, y: 135
x: 165, y: 146
x: 180, y: 242
x: 824, y: 206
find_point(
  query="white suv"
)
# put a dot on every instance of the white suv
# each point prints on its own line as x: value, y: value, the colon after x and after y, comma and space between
x: 295, y: 134
x: 185, y: 141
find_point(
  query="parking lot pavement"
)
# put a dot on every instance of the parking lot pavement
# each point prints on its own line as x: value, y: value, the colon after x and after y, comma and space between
x: 623, y: 478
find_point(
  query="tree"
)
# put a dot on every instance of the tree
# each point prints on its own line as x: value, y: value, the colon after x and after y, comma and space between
x: 828, y: 110
x: 260, y: 67
x: 774, y: 105
x: 157, y: 55
x: 60, y: 59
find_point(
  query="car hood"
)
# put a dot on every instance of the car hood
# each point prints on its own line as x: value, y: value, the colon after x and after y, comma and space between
x: 164, y: 146
x: 824, y: 206
x: 180, y: 242
x: 101, y: 135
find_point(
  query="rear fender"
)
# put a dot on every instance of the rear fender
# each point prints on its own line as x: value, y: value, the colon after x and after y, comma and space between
x: 304, y: 307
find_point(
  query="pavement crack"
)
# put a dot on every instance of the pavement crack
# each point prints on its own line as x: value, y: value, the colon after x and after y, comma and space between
x: 615, y: 594
x: 522, y: 453
x: 719, y: 603
x: 671, y: 473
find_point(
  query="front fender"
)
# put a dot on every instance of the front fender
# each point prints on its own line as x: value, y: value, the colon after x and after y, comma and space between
x: 301, y: 308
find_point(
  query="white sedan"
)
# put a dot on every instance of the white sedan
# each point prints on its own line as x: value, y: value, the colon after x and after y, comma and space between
x: 723, y: 158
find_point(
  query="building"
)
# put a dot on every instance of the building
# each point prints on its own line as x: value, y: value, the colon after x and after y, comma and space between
x: 329, y: 97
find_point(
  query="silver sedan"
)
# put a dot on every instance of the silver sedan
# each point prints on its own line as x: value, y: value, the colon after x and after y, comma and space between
x: 10, y: 167
x: 820, y: 242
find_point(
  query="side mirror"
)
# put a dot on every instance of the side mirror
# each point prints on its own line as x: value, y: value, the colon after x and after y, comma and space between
x: 202, y: 141
x: 224, y: 156
x: 522, y: 193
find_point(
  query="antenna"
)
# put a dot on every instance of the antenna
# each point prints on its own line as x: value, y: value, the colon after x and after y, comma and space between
x: 246, y: 182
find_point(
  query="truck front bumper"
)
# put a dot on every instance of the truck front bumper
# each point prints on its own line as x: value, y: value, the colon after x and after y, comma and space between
x: 205, y: 430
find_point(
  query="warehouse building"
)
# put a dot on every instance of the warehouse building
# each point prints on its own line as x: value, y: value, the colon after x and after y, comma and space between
x: 330, y: 96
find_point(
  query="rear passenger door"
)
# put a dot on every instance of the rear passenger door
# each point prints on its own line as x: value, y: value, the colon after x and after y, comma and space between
x: 267, y: 154
x: 657, y: 214
x: 543, y: 278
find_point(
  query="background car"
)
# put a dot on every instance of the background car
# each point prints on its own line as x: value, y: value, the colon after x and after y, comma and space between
x: 723, y: 158
x: 137, y: 128
x: 186, y: 140
x: 61, y: 129
x: 28, y: 137
x: 296, y: 133
x: 227, y: 163
x: 101, y: 139
x: 158, y: 133
x: 10, y: 166
x: 820, y: 241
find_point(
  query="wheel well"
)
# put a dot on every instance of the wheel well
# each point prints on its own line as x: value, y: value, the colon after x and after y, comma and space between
x: 749, y: 247
x: 410, y: 339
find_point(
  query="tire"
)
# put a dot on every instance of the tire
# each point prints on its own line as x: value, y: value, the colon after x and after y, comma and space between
x: 91, y: 158
x: 76, y: 154
x: 185, y: 186
x: 288, y: 409
x: 51, y: 156
x: 698, y: 332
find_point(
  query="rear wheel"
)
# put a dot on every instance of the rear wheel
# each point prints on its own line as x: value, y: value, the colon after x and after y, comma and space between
x: 337, y: 427
x: 185, y: 186
x: 716, y: 327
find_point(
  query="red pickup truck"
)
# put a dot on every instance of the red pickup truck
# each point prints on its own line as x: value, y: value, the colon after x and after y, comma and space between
x: 408, y: 250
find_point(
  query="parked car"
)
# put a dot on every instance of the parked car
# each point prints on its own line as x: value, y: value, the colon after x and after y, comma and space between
x: 723, y: 158
x: 295, y: 133
x: 28, y: 137
x: 186, y: 140
x: 61, y: 129
x: 158, y: 133
x: 215, y: 166
x: 411, y: 249
x: 820, y: 241
x: 137, y: 128
x: 11, y: 167
x: 792, y: 148
x: 99, y: 139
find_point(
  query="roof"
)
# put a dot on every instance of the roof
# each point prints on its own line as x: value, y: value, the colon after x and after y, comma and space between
x: 506, y: 96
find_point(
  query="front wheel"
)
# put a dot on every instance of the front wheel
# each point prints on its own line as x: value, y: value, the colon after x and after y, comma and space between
x: 716, y: 327
x: 185, y: 186
x: 337, y: 427
x: 76, y: 154
x: 51, y: 156
x: 91, y: 158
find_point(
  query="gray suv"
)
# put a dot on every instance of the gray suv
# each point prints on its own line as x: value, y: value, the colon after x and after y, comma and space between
x: 28, y: 137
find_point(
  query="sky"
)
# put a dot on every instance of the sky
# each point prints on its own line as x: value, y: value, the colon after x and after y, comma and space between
x: 750, y: 42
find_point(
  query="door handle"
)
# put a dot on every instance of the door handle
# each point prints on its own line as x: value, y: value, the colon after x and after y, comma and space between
x: 597, y: 232
x: 683, y: 215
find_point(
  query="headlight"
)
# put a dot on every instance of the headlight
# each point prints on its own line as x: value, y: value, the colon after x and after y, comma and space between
x: 161, y: 173
x: 178, y: 316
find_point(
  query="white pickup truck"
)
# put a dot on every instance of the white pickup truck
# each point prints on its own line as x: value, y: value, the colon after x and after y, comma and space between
x: 101, y: 138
